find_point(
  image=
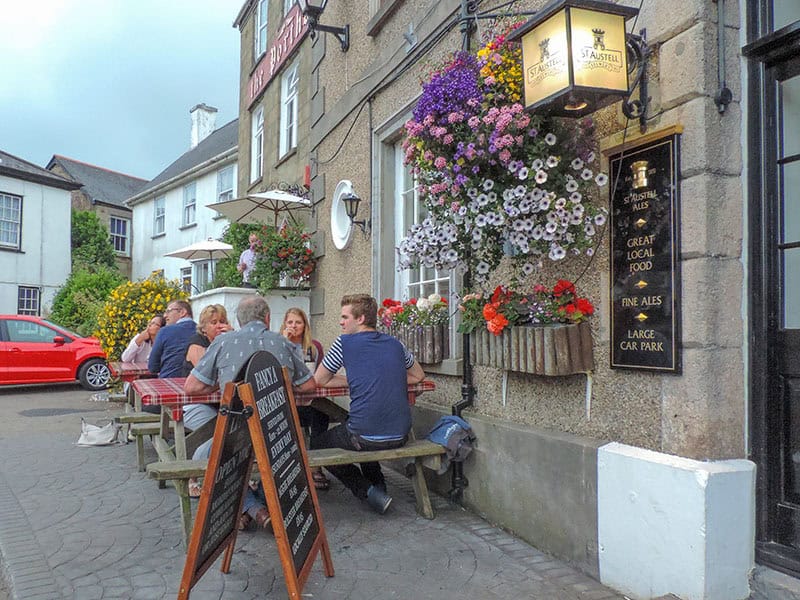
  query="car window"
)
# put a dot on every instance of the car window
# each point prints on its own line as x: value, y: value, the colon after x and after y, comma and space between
x: 27, y: 331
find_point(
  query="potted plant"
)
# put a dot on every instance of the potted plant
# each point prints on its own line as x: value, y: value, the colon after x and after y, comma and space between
x: 544, y: 332
x: 284, y: 258
x: 421, y: 324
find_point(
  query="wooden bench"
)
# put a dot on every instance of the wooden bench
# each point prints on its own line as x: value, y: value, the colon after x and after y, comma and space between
x: 424, y: 453
x: 140, y: 430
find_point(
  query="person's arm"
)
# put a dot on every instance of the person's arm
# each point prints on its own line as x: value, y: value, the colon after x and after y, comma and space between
x: 195, y: 353
x: 195, y: 387
x: 307, y: 386
x: 154, y: 362
x: 132, y: 350
x: 325, y: 378
x: 415, y: 374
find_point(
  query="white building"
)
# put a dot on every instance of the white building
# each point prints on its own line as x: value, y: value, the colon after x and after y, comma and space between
x: 170, y: 211
x: 35, y: 251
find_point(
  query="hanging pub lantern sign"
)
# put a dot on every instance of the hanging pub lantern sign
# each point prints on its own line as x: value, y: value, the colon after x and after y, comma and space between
x: 577, y: 57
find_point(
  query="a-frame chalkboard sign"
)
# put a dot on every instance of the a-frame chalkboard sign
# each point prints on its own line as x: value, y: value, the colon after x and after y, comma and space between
x: 283, y: 464
x: 258, y: 419
x: 227, y: 476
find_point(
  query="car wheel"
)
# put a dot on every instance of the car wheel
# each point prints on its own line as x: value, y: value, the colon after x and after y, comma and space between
x: 94, y: 374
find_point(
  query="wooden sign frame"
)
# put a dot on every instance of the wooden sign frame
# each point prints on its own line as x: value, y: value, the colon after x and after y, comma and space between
x: 226, y: 480
x: 283, y: 464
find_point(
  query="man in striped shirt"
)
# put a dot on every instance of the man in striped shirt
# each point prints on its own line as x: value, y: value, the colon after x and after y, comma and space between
x: 379, y: 369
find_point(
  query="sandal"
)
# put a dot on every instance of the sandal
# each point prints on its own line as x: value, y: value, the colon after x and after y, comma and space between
x: 321, y: 482
x: 194, y: 488
x: 262, y: 520
x: 244, y: 521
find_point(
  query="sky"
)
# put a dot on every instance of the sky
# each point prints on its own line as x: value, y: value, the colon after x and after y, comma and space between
x: 111, y: 82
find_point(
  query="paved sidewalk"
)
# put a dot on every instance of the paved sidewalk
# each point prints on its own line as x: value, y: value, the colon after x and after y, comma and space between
x: 82, y: 523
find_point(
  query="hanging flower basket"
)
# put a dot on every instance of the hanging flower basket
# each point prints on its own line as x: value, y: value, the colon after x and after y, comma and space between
x: 552, y: 349
x: 430, y: 344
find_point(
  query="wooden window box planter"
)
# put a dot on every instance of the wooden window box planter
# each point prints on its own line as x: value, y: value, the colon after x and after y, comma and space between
x: 554, y: 349
x: 430, y: 344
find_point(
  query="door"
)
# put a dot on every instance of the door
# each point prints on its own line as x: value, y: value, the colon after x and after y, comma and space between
x: 774, y: 275
x: 33, y: 355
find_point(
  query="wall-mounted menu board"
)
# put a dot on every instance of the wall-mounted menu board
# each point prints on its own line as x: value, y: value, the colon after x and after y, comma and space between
x: 283, y: 464
x: 645, y: 247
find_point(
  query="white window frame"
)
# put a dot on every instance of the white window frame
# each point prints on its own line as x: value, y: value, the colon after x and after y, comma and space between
x: 225, y: 183
x: 186, y: 279
x: 287, y: 6
x: 10, y: 221
x: 28, y: 300
x: 260, y: 21
x: 201, y: 274
x: 257, y: 145
x: 159, y: 215
x: 120, y: 239
x: 289, y: 105
x: 189, y: 204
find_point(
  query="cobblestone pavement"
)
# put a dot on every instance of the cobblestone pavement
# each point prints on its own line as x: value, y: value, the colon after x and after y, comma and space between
x: 82, y: 523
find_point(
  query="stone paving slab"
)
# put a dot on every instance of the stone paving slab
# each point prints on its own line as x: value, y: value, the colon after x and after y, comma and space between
x: 82, y: 523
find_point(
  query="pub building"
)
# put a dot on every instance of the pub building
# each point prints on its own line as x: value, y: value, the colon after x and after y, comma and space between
x: 668, y: 460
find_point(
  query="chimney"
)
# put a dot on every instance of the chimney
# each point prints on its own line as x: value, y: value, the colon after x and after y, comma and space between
x: 204, y: 121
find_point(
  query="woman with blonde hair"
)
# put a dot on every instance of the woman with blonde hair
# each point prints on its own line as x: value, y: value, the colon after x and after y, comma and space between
x: 297, y: 330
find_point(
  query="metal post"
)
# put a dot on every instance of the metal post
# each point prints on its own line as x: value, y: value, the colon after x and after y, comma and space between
x: 459, y: 481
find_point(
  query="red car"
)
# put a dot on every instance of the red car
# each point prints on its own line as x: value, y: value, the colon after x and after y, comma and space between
x: 33, y: 350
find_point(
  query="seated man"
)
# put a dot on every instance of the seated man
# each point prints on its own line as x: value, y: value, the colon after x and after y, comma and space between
x: 379, y: 370
x: 226, y: 356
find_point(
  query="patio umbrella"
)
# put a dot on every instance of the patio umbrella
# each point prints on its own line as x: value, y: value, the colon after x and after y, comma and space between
x: 207, y: 249
x: 260, y: 206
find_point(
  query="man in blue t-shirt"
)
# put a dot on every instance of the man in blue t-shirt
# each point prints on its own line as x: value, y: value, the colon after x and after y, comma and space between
x: 379, y: 369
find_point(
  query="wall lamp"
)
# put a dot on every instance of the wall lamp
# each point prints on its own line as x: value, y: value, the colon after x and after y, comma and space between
x: 351, y: 202
x: 577, y: 57
x: 313, y: 10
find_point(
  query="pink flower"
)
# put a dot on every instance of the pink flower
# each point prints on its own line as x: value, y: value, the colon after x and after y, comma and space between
x: 428, y: 156
x: 474, y: 122
x: 455, y: 117
x: 505, y: 155
x: 448, y: 139
x: 489, y: 80
x: 454, y: 206
x: 440, y: 162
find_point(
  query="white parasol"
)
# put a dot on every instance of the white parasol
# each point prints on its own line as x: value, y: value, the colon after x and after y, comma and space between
x: 209, y: 249
x: 259, y: 206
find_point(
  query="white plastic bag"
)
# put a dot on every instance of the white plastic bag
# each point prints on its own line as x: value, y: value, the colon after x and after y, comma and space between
x: 92, y: 435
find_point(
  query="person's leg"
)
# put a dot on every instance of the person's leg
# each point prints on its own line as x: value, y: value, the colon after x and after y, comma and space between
x: 349, y: 475
x: 197, y: 415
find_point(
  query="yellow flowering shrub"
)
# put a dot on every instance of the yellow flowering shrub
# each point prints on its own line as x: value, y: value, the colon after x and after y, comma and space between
x: 129, y: 308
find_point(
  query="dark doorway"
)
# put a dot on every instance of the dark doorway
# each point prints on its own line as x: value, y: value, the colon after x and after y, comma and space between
x: 774, y: 275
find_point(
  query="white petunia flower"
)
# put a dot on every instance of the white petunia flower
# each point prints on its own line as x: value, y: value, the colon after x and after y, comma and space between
x: 541, y: 176
x: 550, y: 139
x: 557, y: 252
x: 571, y: 186
x: 552, y: 161
x: 600, y: 219
x: 577, y: 164
x: 482, y: 268
x: 488, y: 184
x: 523, y: 173
x: 601, y: 179
x: 537, y: 164
x: 586, y: 174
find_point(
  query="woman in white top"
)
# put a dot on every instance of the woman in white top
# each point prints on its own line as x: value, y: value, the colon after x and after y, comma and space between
x: 140, y: 346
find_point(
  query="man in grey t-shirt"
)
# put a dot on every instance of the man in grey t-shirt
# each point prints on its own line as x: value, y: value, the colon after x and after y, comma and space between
x: 226, y: 356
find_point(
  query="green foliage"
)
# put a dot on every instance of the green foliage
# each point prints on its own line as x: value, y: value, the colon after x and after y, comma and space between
x: 288, y: 252
x: 81, y: 298
x: 91, y: 243
x: 225, y: 271
x: 128, y: 309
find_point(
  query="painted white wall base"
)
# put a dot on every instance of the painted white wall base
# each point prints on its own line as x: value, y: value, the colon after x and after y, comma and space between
x: 279, y: 301
x: 668, y: 524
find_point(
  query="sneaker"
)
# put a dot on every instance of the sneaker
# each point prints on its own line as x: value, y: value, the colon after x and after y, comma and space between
x: 378, y: 500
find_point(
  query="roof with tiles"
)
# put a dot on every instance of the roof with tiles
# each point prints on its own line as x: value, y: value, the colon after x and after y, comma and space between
x: 99, y: 183
x: 18, y: 168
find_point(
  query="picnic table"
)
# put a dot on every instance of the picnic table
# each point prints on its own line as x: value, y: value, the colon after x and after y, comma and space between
x: 130, y: 372
x: 169, y: 395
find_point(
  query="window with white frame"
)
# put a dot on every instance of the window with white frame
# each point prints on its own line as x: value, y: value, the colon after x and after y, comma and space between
x: 28, y: 300
x: 287, y: 6
x: 202, y: 274
x: 257, y: 145
x: 225, y: 184
x: 159, y: 212
x: 186, y: 279
x: 120, y: 235
x: 409, y: 210
x: 288, y: 126
x: 10, y: 221
x: 189, y: 203
x: 260, y: 32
